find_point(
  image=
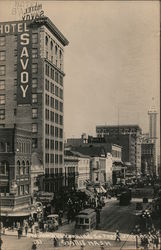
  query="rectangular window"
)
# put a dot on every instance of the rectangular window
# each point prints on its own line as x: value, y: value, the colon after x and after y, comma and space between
x: 34, y: 128
x: 47, y: 129
x: 56, y: 132
x: 47, y: 99
x: 47, y: 69
x: 46, y: 84
x: 34, y: 113
x: 47, y: 143
x: 2, y: 55
x: 2, y: 84
x: 60, y: 159
x: 46, y: 158
x: 2, y: 114
x: 34, y: 38
x: 56, y: 90
x: 51, y: 116
x: 34, y: 98
x: 51, y: 144
x: 34, y: 83
x: 2, y: 99
x: 61, y: 132
x: 34, y: 53
x: 61, y: 93
x: 34, y: 68
x: 2, y: 70
x: 52, y: 130
x: 52, y: 102
x: 61, y: 80
x: 56, y: 118
x: 2, y: 40
x: 15, y: 67
x: 61, y: 119
x: 56, y: 76
x: 61, y: 106
x: 46, y: 114
x: 56, y: 159
x: 56, y: 145
x: 56, y: 104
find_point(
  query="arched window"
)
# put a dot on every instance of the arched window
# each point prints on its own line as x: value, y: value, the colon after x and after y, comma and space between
x: 46, y: 41
x: 23, y: 168
x: 27, y: 167
x: 51, y: 45
x: 4, y: 168
x: 2, y: 147
x: 18, y: 167
x: 56, y: 50
x: 60, y: 54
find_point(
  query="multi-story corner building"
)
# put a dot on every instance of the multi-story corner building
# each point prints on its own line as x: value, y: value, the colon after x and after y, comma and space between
x: 31, y: 90
x: 77, y: 170
x: 15, y: 172
x: 127, y: 136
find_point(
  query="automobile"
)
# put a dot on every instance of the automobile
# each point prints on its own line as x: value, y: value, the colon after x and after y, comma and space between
x: 52, y: 222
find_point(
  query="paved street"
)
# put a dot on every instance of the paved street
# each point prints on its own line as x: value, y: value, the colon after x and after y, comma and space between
x: 115, y: 217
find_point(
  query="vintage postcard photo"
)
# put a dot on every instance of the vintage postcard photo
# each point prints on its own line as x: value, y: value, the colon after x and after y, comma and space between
x: 80, y: 125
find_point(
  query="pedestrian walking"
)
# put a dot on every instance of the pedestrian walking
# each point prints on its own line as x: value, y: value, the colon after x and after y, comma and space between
x: 26, y: 228
x: 117, y: 236
x: 19, y: 232
x: 55, y: 243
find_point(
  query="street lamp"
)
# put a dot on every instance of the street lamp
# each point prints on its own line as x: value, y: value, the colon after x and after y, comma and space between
x: 146, y: 215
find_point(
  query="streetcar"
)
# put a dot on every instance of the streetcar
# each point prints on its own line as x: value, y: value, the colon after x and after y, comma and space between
x: 85, y: 221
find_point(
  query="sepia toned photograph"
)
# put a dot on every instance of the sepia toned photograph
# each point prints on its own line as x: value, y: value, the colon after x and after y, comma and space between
x: 80, y: 125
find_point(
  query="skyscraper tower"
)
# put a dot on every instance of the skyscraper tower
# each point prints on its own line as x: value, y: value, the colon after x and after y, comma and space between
x: 152, y: 112
x: 153, y: 129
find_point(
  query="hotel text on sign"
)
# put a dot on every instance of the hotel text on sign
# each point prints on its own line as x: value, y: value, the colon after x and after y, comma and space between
x: 24, y: 61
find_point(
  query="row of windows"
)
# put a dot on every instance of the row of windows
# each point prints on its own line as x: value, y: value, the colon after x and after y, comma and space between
x: 57, y: 145
x: 53, y: 89
x: 23, y: 147
x: 49, y: 115
x: 54, y: 103
x: 54, y: 131
x: 23, y: 168
x: 3, y: 69
x: 49, y: 71
x: 52, y: 47
x: 23, y: 189
x: 3, y: 54
x: 34, y: 83
x: 34, y: 39
x: 53, y: 158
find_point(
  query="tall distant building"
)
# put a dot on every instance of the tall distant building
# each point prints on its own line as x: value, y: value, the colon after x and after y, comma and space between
x: 31, y: 90
x: 152, y: 112
x: 127, y: 136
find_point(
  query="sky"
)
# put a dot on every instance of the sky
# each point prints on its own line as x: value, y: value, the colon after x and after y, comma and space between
x: 111, y: 62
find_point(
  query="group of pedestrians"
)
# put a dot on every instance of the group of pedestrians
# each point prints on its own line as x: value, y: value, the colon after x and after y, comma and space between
x: 149, y: 241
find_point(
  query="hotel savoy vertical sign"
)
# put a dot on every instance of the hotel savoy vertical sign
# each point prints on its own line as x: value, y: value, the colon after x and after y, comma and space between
x: 24, y: 62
